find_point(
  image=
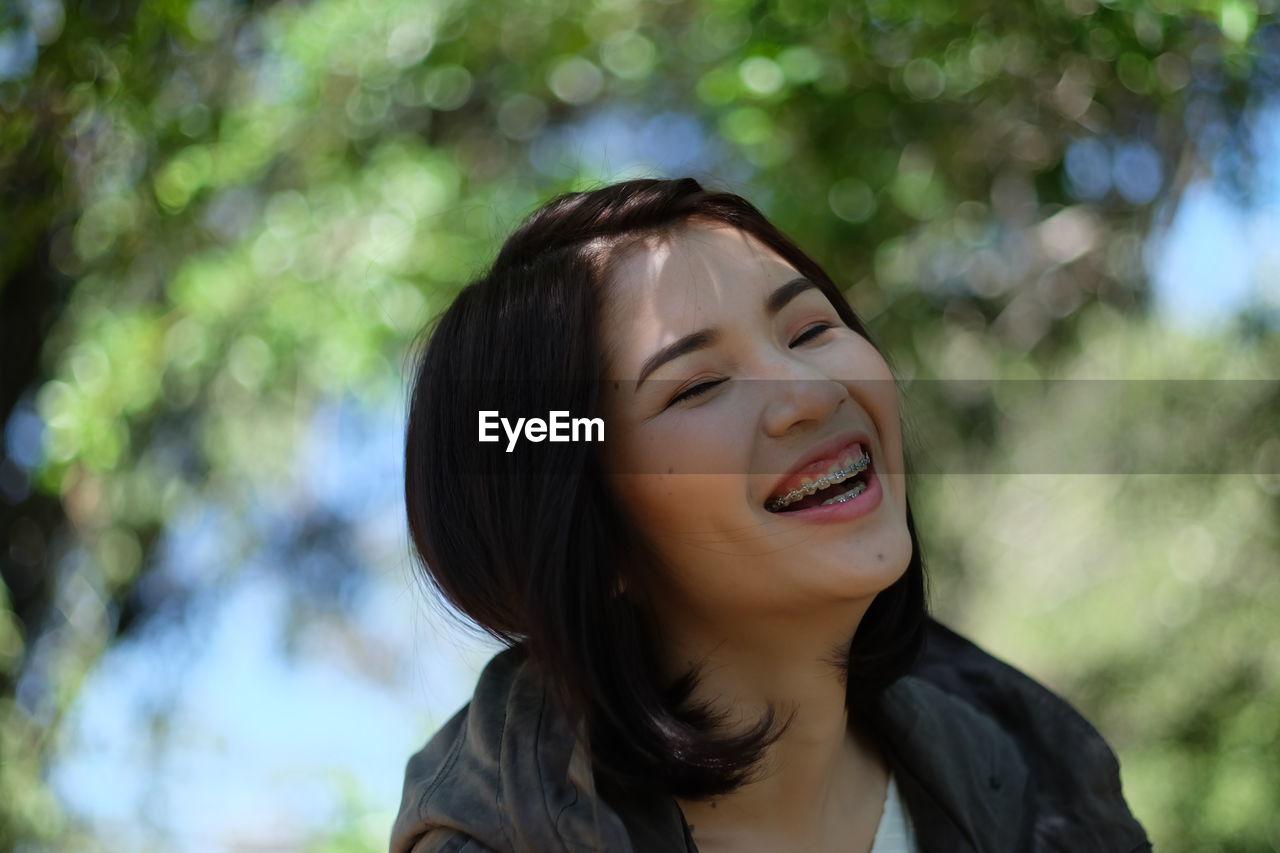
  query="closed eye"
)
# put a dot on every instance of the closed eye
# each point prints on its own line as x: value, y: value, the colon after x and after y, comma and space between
x: 811, y: 333
x: 703, y: 387
x: 700, y: 388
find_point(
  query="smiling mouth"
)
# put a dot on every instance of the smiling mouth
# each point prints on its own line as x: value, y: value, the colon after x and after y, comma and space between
x: 845, y: 480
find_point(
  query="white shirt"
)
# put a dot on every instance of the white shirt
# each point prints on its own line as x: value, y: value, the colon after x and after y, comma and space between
x: 895, y: 833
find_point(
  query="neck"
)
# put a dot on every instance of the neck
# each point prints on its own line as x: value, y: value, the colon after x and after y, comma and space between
x: 818, y: 767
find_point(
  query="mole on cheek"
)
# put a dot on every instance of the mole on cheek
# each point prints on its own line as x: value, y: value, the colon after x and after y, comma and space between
x: 880, y: 557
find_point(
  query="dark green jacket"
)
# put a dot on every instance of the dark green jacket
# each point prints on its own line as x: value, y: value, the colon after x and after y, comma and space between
x: 986, y: 759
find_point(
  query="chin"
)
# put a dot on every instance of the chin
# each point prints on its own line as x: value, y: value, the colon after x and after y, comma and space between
x: 876, y: 562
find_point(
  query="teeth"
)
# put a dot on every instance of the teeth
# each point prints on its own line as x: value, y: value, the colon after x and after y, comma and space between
x: 858, y: 488
x: 839, y: 472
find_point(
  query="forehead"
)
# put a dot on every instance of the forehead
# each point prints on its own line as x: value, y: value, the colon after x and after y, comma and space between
x: 701, y: 275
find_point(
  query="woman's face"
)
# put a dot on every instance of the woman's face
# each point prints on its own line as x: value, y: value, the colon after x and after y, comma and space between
x: 705, y: 433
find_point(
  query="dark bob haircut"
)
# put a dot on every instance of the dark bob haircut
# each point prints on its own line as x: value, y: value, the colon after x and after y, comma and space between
x: 534, y: 547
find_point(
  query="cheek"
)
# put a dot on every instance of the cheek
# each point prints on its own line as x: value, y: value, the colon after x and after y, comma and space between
x: 672, y: 508
x: 875, y: 381
x: 874, y: 387
x: 682, y: 481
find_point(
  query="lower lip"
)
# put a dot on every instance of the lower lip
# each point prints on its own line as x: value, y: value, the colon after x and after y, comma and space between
x: 863, y: 504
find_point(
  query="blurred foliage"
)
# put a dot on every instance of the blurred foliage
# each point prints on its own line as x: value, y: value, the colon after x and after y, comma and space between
x: 218, y: 213
x: 1144, y: 598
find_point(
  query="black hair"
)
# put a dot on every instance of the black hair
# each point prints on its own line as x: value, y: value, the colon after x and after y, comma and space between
x: 533, y: 545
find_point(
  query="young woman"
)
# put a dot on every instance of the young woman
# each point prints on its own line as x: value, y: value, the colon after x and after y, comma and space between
x: 716, y: 614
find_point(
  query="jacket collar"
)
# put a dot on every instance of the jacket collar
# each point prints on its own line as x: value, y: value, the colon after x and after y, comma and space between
x: 507, y: 771
x: 959, y: 775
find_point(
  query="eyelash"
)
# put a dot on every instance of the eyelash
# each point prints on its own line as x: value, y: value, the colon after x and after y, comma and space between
x: 702, y: 388
x: 811, y: 333
x: 694, y: 391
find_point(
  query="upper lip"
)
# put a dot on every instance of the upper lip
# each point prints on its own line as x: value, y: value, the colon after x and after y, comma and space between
x: 817, y: 461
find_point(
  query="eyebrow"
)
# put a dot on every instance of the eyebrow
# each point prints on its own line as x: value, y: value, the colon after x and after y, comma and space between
x: 703, y: 338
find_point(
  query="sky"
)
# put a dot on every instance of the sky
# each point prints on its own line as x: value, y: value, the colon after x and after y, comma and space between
x: 1218, y: 255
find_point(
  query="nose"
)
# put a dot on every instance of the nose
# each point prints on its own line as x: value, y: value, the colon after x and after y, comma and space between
x: 798, y: 394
